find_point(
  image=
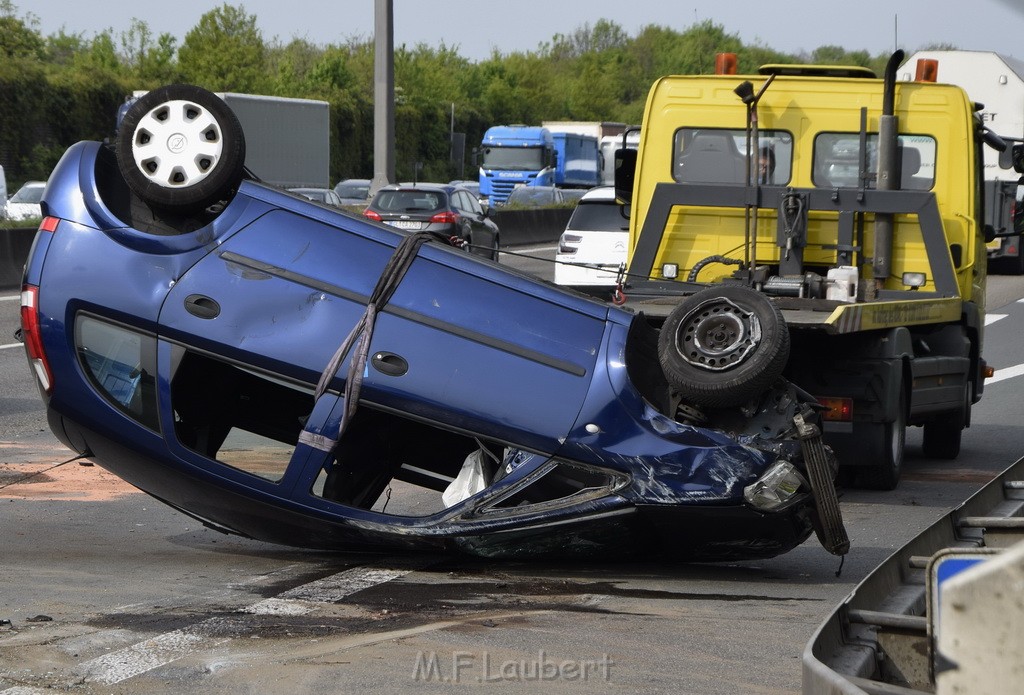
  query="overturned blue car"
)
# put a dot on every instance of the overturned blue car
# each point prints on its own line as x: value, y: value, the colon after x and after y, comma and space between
x: 296, y: 374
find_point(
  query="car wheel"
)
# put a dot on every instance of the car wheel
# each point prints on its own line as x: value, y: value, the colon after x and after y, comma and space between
x: 723, y: 345
x: 181, y: 148
x: 884, y: 446
x: 941, y: 436
x: 495, y: 249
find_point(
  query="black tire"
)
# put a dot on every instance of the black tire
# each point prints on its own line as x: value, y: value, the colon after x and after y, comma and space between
x: 723, y: 345
x: 478, y: 248
x: 181, y: 148
x: 885, y: 443
x: 941, y: 437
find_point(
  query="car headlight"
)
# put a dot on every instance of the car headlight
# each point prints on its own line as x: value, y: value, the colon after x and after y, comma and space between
x: 776, y: 489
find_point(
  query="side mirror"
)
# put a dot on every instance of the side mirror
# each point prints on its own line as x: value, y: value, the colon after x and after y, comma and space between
x: 1017, y: 154
x: 625, y: 174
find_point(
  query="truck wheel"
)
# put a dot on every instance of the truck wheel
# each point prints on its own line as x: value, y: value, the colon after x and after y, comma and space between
x: 723, y: 345
x: 941, y: 437
x: 884, y: 445
x: 181, y: 148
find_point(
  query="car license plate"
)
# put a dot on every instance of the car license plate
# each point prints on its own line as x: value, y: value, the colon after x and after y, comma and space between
x: 404, y: 224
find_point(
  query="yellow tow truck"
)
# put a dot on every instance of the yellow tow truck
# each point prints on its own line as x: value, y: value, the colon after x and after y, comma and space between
x: 823, y: 225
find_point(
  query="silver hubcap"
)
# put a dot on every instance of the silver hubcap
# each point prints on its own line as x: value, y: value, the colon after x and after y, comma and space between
x: 177, y: 144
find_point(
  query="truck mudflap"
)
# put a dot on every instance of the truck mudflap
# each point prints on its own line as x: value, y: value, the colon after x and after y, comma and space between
x: 881, y: 638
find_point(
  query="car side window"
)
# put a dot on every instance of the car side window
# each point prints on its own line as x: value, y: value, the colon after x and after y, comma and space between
x: 463, y: 202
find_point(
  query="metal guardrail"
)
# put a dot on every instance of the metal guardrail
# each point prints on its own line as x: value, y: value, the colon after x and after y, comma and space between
x: 878, y: 641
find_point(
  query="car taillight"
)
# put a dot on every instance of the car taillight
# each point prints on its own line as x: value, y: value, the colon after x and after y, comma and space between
x: 839, y: 409
x: 49, y: 224
x: 31, y: 334
x: 444, y: 218
x: 565, y: 240
x: 370, y: 214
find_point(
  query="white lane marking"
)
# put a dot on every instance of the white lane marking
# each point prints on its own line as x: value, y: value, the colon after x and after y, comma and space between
x: 10, y: 298
x: 11, y: 345
x: 992, y: 318
x: 151, y: 653
x: 303, y: 599
x: 1005, y: 373
x: 154, y: 652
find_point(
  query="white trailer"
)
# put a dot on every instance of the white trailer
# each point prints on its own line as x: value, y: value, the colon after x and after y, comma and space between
x: 997, y: 81
x: 609, y: 137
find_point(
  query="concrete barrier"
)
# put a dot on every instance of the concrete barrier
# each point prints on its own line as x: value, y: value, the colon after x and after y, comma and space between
x: 15, y: 244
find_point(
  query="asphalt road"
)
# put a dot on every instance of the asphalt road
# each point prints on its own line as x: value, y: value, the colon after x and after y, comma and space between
x: 108, y: 591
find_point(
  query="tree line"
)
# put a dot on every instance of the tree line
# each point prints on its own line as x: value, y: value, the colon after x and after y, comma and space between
x: 64, y: 87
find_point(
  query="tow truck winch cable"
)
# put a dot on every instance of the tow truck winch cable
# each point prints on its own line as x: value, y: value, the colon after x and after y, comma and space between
x: 360, y: 336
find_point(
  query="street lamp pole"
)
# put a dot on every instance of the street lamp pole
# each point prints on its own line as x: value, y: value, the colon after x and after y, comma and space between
x: 383, y: 95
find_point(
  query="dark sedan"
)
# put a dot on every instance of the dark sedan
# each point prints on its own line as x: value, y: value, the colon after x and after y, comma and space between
x: 446, y: 210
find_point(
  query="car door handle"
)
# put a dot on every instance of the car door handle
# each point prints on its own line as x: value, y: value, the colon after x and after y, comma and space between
x: 202, y: 306
x: 389, y: 363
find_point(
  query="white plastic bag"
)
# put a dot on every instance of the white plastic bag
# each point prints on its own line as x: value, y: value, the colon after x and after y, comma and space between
x: 470, y: 480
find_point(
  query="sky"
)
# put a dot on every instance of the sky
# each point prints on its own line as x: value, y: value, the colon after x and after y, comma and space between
x: 476, y: 28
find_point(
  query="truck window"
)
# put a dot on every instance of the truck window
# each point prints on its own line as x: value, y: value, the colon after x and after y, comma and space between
x: 719, y: 155
x: 837, y: 161
x: 527, y: 158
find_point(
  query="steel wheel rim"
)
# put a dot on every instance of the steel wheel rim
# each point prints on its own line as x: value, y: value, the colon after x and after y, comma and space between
x: 717, y: 335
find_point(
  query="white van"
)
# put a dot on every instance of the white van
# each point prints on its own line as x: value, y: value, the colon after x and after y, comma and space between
x: 594, y: 244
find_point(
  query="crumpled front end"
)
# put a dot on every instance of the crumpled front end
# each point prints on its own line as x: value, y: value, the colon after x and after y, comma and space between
x: 712, y: 484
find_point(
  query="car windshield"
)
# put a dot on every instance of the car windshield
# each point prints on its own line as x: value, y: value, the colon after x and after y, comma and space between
x: 313, y: 194
x: 598, y: 217
x: 529, y: 194
x: 28, y: 194
x: 409, y: 200
x: 352, y: 191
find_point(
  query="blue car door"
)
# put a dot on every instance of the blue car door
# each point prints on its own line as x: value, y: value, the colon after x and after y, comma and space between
x: 462, y: 344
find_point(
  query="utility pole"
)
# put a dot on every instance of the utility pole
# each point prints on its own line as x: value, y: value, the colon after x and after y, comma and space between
x: 383, y: 94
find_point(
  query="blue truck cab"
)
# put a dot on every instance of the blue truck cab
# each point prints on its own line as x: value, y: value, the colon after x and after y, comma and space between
x: 520, y: 155
x: 515, y: 155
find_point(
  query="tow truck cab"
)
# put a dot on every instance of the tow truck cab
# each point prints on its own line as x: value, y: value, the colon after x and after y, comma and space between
x: 855, y: 205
